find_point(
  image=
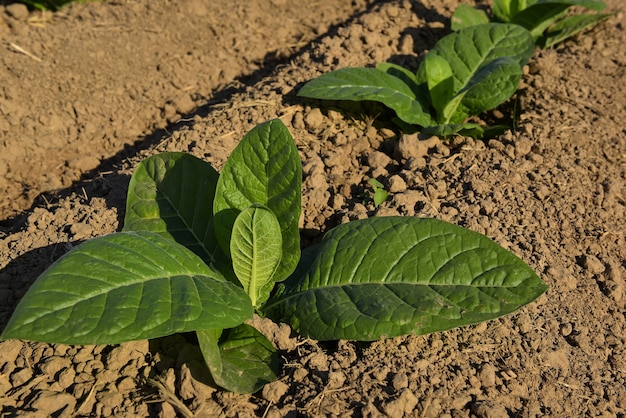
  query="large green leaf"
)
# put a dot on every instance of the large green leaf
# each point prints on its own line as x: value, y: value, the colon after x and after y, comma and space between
x: 490, y: 86
x: 256, y: 250
x: 470, y: 49
x: 538, y: 19
x: 172, y: 194
x: 263, y: 169
x: 391, y: 276
x: 126, y: 286
x: 570, y: 26
x: 480, y: 58
x: 358, y: 84
x: 241, y: 359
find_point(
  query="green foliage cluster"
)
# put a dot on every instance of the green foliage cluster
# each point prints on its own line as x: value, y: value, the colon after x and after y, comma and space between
x: 547, y: 20
x: 472, y: 70
x: 201, y: 251
x: 50, y: 4
x: 465, y: 74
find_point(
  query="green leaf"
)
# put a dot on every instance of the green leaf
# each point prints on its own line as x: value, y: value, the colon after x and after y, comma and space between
x: 454, y: 112
x: 480, y: 55
x: 241, y: 359
x: 380, y: 194
x: 491, y: 85
x: 465, y: 16
x: 570, y: 26
x: 372, y: 84
x: 172, y: 194
x: 263, y: 169
x: 399, y: 72
x: 447, y: 130
x: 256, y: 247
x: 537, y: 17
x: 439, y: 81
x: 468, y: 50
x: 391, y: 276
x: 50, y: 4
x: 126, y: 286
x: 505, y: 10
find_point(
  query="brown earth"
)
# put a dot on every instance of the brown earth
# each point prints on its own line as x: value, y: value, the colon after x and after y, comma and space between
x: 88, y: 92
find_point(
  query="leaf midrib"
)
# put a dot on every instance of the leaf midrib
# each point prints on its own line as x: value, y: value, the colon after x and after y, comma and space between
x: 299, y: 294
x: 141, y: 278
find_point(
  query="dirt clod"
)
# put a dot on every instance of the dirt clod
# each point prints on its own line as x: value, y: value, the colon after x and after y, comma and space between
x: 17, y: 11
x: 404, y: 404
x: 272, y: 392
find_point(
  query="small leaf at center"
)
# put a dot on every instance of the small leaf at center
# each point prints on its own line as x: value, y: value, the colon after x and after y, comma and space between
x: 256, y: 250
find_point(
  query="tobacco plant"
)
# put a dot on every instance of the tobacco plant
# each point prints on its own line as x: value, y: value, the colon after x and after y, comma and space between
x: 547, y: 20
x: 201, y: 251
x: 467, y: 72
x: 50, y: 4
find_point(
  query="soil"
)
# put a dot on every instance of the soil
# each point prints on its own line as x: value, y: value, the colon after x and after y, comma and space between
x: 88, y: 92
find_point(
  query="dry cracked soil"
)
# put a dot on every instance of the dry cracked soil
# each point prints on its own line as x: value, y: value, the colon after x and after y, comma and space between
x: 89, y: 91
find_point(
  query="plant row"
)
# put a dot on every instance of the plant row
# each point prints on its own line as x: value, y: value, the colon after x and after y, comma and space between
x: 474, y: 69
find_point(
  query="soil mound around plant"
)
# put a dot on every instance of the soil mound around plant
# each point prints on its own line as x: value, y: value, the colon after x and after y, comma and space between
x: 552, y: 191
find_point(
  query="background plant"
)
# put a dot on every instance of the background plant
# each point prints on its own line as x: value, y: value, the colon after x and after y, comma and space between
x: 201, y: 251
x: 466, y: 73
x: 547, y: 20
x: 50, y: 4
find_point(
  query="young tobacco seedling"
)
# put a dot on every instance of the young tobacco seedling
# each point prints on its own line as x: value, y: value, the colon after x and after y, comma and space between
x: 201, y: 251
x: 467, y: 72
x: 547, y: 20
x: 380, y: 194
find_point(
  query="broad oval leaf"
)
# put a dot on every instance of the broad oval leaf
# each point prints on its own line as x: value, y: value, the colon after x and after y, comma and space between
x: 263, y: 169
x: 241, y: 359
x: 491, y: 85
x: 469, y: 49
x: 126, y: 286
x: 172, y: 194
x: 358, y: 84
x: 256, y: 250
x: 383, y: 277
